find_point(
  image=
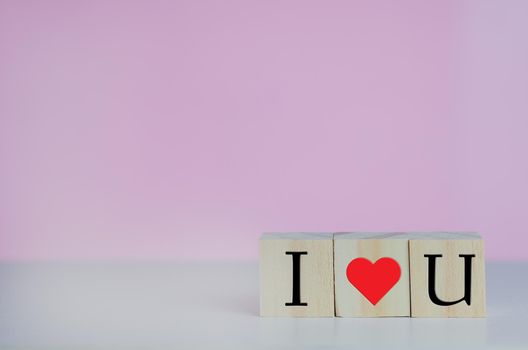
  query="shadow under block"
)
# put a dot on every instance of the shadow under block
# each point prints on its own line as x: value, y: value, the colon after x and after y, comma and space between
x: 446, y: 268
x: 375, y: 287
x: 296, y: 275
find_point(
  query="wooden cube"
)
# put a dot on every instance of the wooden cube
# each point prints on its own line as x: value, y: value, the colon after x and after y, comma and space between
x: 447, y: 275
x: 296, y: 275
x: 371, y: 274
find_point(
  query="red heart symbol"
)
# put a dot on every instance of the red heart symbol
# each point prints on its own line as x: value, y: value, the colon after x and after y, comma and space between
x: 373, y: 280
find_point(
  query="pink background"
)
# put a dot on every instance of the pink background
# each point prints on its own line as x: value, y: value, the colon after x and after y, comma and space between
x: 183, y: 129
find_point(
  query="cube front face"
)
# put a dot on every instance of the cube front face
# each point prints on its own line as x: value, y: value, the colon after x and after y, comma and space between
x: 447, y: 278
x: 371, y: 275
x: 297, y: 275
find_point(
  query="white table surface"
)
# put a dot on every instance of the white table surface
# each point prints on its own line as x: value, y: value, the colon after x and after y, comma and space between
x: 165, y: 305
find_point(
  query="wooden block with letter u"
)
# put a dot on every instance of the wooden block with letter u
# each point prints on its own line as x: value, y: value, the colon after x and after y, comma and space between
x: 296, y: 275
x: 447, y: 275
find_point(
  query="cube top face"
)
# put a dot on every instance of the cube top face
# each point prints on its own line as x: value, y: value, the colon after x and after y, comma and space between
x: 407, y: 235
x: 296, y: 275
x: 373, y: 235
x: 297, y: 235
x: 445, y: 235
x: 448, y: 278
x: 371, y: 274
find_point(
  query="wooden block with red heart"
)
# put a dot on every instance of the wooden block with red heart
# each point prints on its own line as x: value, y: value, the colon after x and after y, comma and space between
x: 372, y: 274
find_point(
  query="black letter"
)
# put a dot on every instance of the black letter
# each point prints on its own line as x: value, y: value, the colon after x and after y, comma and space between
x: 296, y: 290
x: 467, y: 280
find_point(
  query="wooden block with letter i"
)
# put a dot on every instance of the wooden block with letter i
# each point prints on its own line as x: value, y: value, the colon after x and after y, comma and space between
x: 371, y: 274
x: 296, y: 275
x: 447, y: 275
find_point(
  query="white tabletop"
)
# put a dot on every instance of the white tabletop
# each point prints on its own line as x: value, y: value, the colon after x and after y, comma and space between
x: 215, y: 305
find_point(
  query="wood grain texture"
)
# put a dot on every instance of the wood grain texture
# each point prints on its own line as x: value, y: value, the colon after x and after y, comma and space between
x: 316, y: 274
x: 372, y: 246
x: 449, y: 281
